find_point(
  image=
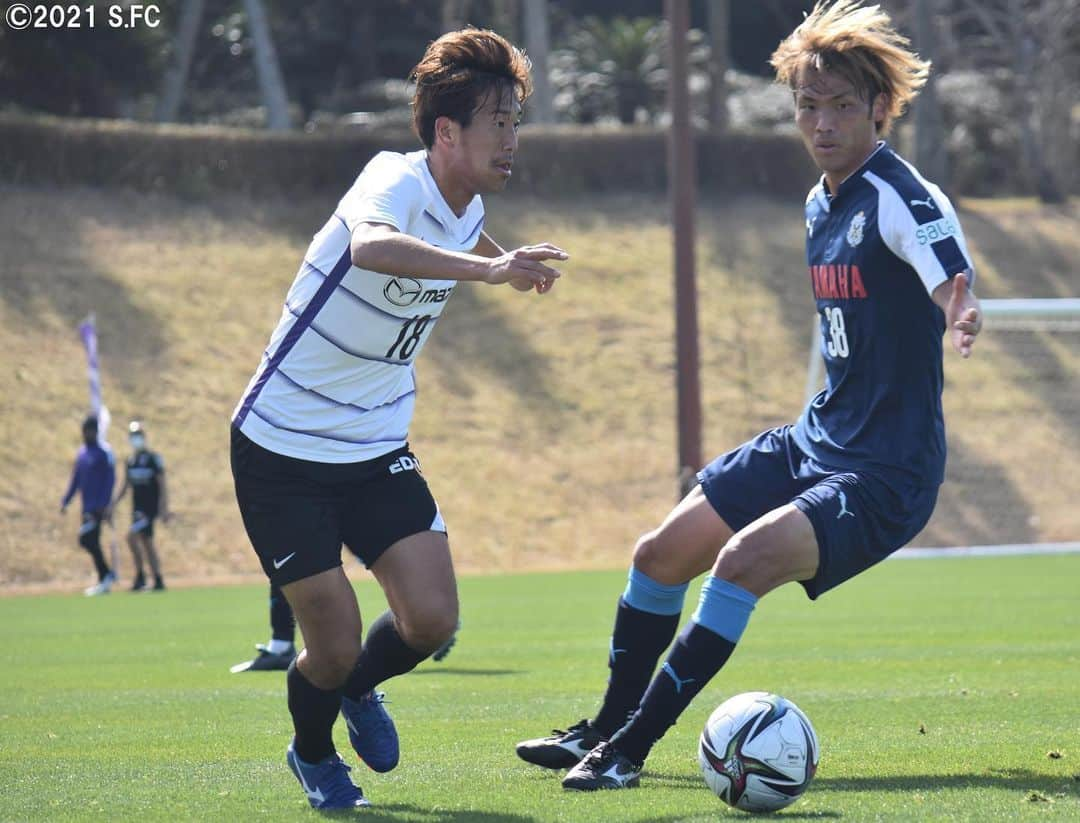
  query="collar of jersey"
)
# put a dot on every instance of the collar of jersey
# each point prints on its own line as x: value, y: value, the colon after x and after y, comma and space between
x: 824, y: 200
x: 438, y: 207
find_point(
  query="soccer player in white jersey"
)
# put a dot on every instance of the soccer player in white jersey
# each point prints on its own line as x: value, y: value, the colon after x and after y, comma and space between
x: 857, y: 475
x: 319, y: 439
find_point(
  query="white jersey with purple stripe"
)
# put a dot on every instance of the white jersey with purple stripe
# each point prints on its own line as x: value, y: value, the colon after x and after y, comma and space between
x: 877, y: 249
x: 337, y: 383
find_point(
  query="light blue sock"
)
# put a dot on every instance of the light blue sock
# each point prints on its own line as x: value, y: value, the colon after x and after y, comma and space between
x: 645, y: 594
x: 724, y: 608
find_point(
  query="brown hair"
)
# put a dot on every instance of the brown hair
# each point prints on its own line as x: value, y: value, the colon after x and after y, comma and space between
x: 457, y: 74
x: 860, y: 44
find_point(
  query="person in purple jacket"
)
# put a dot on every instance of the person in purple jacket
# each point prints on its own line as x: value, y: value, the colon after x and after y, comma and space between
x: 93, y: 476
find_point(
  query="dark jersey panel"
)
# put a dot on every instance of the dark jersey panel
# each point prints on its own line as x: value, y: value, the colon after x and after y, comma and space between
x: 144, y: 470
x: 876, y: 250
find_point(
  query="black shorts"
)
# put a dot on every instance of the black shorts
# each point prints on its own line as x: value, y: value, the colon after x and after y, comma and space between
x: 298, y: 513
x: 90, y: 528
x: 142, y: 523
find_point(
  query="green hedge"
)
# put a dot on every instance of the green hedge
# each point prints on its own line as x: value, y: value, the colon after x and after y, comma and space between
x: 197, y: 161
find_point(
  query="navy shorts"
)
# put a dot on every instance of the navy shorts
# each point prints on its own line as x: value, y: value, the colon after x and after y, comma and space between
x: 859, y: 517
x: 298, y: 513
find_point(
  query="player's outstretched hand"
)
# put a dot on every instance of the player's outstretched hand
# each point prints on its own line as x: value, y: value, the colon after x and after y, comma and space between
x: 963, y: 316
x: 524, y: 268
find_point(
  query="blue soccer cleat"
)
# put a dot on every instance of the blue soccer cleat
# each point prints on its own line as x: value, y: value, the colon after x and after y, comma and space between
x: 371, y: 731
x: 326, y: 783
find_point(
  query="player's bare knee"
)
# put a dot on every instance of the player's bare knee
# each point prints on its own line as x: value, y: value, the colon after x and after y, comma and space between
x: 335, y: 661
x: 649, y: 554
x: 743, y: 560
x: 427, y: 629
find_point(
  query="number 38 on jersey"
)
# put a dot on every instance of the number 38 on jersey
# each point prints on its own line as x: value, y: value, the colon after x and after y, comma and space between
x: 836, y: 342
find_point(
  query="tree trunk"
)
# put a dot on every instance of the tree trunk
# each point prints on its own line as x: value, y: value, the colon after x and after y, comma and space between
x: 719, y: 17
x: 537, y: 46
x: 271, y: 84
x: 930, y: 155
x: 454, y: 13
x: 1039, y: 174
x: 505, y: 15
x: 175, y: 80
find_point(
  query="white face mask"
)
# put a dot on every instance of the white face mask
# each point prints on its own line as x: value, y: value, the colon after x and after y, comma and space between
x: 137, y: 441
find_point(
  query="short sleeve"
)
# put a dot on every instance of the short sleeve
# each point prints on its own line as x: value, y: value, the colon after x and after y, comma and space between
x: 923, y: 231
x: 387, y: 191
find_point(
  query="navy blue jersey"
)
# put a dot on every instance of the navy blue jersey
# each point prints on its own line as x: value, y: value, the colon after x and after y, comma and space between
x: 877, y: 249
x: 144, y: 470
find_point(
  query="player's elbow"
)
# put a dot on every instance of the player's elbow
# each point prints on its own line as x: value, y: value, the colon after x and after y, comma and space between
x: 361, y: 253
x: 370, y: 247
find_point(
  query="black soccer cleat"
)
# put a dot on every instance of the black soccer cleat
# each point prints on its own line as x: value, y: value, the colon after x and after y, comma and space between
x: 562, y: 749
x: 267, y: 661
x: 605, y: 767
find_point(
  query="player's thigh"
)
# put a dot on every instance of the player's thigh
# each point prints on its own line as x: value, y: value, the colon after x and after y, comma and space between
x: 685, y: 544
x: 90, y: 530
x: 142, y: 529
x: 291, y: 514
x: 326, y: 609
x: 778, y: 547
x: 417, y: 576
x: 390, y: 520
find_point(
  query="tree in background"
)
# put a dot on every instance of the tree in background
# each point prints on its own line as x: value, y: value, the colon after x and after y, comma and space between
x: 611, y: 68
x: 719, y: 24
x: 1033, y: 48
x: 1009, y: 68
x: 70, y: 72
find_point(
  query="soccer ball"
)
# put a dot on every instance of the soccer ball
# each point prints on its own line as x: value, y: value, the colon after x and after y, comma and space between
x: 758, y: 752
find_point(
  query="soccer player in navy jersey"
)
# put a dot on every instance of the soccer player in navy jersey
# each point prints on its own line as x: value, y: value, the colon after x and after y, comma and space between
x: 144, y: 474
x: 93, y: 476
x: 857, y: 475
x: 320, y: 452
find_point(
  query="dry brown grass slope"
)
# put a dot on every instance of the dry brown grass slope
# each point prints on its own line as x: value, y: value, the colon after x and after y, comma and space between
x: 545, y: 424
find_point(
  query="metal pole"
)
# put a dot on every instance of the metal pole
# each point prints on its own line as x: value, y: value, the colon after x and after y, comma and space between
x: 682, y: 183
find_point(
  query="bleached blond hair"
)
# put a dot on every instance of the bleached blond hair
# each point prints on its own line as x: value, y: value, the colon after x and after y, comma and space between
x: 860, y: 44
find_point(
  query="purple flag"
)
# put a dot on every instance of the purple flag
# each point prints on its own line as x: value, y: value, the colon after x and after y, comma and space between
x: 88, y: 333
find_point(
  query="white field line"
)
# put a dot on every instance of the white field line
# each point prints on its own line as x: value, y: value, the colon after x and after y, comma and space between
x: 989, y: 551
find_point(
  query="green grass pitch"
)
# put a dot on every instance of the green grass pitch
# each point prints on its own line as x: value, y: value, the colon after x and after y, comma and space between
x: 942, y: 689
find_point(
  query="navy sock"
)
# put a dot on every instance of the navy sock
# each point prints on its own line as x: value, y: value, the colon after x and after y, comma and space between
x: 383, y: 656
x: 313, y: 712
x: 636, y: 644
x: 282, y: 622
x: 645, y: 623
x: 700, y: 651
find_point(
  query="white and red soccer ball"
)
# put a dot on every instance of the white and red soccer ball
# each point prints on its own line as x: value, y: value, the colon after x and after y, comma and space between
x: 758, y: 752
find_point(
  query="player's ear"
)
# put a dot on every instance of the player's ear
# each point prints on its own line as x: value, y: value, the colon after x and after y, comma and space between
x: 879, y: 107
x: 446, y: 131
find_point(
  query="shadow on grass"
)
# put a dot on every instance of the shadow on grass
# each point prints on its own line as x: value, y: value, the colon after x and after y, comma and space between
x: 403, y: 811
x: 1014, y: 780
x: 473, y: 334
x: 1046, y: 267
x: 461, y: 671
x: 1007, y: 521
x: 46, y: 270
